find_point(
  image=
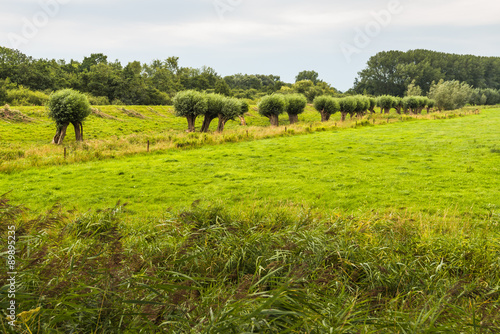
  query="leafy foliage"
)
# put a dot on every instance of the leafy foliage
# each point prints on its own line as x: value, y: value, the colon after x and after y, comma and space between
x: 308, y: 75
x: 348, y: 105
x: 391, y: 72
x: 190, y: 103
x: 272, y: 105
x: 68, y: 106
x: 232, y: 108
x: 295, y: 104
x: 450, y: 94
x: 385, y: 101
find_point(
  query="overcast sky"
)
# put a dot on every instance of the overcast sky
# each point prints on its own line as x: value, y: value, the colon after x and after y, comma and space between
x: 334, y: 38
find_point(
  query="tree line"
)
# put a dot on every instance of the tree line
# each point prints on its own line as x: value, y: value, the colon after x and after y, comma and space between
x: 25, y: 80
x: 391, y: 72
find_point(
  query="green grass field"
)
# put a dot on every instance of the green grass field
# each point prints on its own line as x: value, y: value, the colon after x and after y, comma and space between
x: 322, y: 228
x: 426, y: 166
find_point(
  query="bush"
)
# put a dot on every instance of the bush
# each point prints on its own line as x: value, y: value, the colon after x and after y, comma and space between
x: 24, y: 97
x: 450, y: 94
x: 3, y: 93
x: 98, y: 100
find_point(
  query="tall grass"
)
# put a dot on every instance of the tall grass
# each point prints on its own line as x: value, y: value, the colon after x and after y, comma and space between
x: 282, y: 268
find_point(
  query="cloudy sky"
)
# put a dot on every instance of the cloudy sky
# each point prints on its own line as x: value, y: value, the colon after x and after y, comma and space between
x: 334, y: 38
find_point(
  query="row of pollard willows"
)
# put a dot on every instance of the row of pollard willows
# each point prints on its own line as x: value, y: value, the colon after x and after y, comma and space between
x: 359, y: 105
x: 191, y: 104
x: 272, y: 106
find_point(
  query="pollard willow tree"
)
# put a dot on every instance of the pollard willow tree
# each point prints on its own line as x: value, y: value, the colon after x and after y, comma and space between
x: 231, y: 108
x: 190, y: 104
x: 398, y: 104
x: 385, y: 102
x: 411, y: 103
x: 215, y: 103
x: 362, y: 105
x: 430, y: 104
x: 326, y: 106
x: 373, y: 104
x: 68, y: 106
x: 271, y: 106
x: 295, y: 105
x: 244, y: 109
x: 348, y: 105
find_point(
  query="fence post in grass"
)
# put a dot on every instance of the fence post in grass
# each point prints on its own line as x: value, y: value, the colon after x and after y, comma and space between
x: 148, y: 145
x: 247, y: 133
x: 65, y: 153
x: 285, y: 129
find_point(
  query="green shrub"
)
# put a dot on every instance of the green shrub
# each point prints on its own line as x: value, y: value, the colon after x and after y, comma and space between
x: 25, y: 97
x: 450, y: 94
x: 98, y: 100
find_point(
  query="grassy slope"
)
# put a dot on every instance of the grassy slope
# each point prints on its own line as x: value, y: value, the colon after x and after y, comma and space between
x: 424, y: 166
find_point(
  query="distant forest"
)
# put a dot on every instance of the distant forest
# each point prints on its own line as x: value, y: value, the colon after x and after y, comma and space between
x: 110, y: 82
x: 391, y: 72
x: 26, y: 81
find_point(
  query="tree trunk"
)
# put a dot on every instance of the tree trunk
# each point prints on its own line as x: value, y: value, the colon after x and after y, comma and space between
x: 381, y: 110
x: 242, y: 120
x: 398, y: 110
x: 206, y: 123
x: 343, y: 116
x: 372, y: 110
x: 387, y: 110
x: 428, y: 110
x: 191, y: 121
x: 78, y: 130
x: 60, y: 134
x: 293, y: 118
x: 222, y: 122
x: 274, y: 120
x: 324, y: 116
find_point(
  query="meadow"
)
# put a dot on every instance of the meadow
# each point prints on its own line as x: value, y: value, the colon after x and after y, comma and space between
x: 387, y: 224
